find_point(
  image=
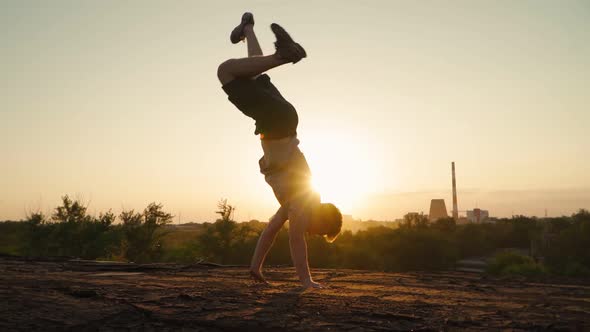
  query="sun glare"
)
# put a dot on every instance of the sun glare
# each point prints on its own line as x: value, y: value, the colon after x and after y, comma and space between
x: 344, y: 171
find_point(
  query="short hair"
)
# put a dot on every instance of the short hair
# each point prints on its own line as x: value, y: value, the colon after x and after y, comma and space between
x: 331, y: 217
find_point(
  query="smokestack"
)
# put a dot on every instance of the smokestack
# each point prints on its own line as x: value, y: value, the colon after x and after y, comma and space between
x: 455, y: 209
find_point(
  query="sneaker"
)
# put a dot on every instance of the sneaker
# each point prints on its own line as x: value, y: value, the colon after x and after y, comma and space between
x: 286, y: 47
x: 237, y: 33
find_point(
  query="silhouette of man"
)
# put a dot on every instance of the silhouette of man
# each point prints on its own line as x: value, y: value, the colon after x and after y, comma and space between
x: 283, y: 165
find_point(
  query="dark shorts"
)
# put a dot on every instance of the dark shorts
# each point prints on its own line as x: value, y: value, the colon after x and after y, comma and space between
x: 259, y: 99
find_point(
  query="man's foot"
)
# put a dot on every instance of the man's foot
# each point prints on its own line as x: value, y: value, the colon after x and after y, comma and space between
x: 257, y: 277
x: 237, y: 33
x: 287, y: 48
x: 312, y: 285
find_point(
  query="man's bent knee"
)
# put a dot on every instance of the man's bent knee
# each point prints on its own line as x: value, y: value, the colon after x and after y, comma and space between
x: 223, y: 72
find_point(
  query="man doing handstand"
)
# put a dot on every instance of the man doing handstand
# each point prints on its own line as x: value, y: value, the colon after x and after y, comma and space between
x: 283, y: 165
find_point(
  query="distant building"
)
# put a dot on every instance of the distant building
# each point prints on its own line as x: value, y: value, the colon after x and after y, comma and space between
x: 478, y: 215
x: 347, y: 218
x: 438, y: 210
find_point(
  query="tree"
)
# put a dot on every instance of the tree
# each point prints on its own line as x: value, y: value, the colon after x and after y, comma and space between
x: 217, y: 240
x: 142, y: 241
x: 70, y: 211
x: 225, y: 210
x: 38, y: 232
x: 225, y: 226
x: 69, y: 237
x: 73, y: 234
x: 415, y: 220
x: 445, y: 224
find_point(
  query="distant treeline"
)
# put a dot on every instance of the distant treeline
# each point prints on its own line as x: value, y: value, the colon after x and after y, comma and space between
x: 557, y: 245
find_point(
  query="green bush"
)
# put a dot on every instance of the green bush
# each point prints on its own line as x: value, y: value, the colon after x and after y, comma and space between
x: 575, y: 269
x: 568, y: 252
x: 13, y: 235
x: 527, y: 270
x: 511, y: 263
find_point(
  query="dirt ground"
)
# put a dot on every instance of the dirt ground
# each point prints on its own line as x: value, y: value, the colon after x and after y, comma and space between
x: 88, y: 296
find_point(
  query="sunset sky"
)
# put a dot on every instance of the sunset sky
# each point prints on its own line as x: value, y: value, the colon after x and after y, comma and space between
x: 117, y: 103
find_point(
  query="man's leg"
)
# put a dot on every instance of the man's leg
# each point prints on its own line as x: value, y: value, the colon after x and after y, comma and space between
x: 234, y: 68
x: 266, y: 241
x: 251, y: 41
x: 247, y: 67
x: 287, y: 51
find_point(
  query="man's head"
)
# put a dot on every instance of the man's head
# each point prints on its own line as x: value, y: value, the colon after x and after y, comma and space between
x: 326, y: 221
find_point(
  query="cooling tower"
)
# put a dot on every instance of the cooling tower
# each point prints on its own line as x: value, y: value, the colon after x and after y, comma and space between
x: 438, y: 210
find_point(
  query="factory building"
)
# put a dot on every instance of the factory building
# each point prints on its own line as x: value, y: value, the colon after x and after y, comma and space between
x: 478, y: 215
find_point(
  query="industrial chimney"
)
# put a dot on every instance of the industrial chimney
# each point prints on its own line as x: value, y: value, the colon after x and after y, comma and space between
x: 455, y: 209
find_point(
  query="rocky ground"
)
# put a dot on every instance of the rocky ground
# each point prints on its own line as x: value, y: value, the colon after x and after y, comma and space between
x: 89, y: 296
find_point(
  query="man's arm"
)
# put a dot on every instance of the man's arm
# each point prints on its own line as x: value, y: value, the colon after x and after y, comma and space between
x: 266, y: 240
x: 297, y: 226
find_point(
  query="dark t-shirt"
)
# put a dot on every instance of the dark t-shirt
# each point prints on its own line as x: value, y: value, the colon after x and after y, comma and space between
x: 259, y: 99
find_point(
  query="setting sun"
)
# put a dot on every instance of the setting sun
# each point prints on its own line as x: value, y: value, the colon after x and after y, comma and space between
x: 344, y: 170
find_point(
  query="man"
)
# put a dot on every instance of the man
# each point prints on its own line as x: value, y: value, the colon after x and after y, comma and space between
x: 283, y: 165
